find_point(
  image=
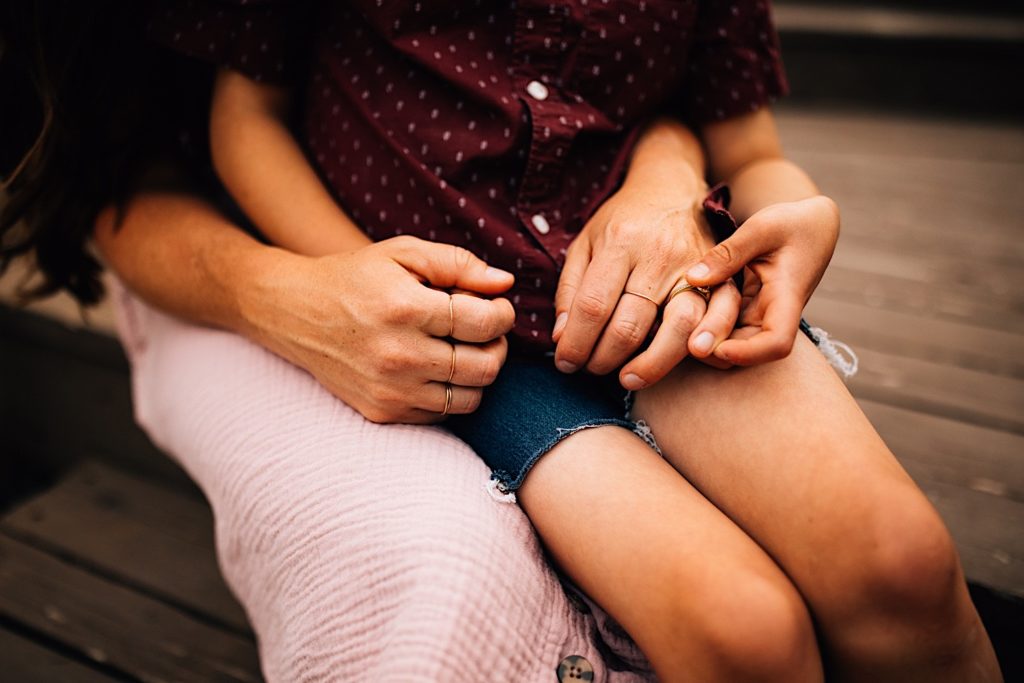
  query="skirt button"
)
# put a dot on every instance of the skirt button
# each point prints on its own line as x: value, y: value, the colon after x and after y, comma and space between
x: 575, y: 668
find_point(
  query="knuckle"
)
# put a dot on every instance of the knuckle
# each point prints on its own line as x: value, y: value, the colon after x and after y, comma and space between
x: 628, y: 331
x: 622, y: 230
x: 393, y: 358
x: 719, y: 321
x: 683, y: 321
x: 398, y: 310
x: 488, y: 371
x: 481, y: 327
x: 723, y: 251
x: 590, y: 307
x: 574, y: 353
x: 403, y: 242
x: 461, y: 257
x: 471, y: 401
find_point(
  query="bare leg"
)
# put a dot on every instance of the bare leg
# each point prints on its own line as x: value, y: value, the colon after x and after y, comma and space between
x: 786, y: 453
x: 699, y: 597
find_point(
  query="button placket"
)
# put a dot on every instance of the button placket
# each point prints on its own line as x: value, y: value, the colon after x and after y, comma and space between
x: 549, y: 139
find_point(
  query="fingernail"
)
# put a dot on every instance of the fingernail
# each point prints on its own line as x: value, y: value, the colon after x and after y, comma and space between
x: 496, y: 273
x: 559, y: 323
x: 633, y: 382
x: 565, y: 366
x: 698, y: 271
x: 704, y: 342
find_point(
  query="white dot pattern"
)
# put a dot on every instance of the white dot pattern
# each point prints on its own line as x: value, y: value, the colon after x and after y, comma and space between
x: 465, y: 122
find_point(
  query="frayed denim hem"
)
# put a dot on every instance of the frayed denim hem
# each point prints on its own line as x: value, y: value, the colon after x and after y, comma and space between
x: 504, y: 484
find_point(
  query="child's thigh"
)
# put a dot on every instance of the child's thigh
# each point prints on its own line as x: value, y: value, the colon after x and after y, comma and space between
x: 785, y: 452
x: 680, y: 576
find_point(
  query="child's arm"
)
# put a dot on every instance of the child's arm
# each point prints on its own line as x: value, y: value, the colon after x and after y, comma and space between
x: 787, y: 236
x: 265, y: 170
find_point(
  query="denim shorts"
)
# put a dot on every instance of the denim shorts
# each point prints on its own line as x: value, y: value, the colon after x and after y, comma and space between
x: 531, y: 407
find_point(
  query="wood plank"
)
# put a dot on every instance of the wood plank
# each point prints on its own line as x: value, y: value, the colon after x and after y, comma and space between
x: 919, y: 336
x: 989, y: 533
x: 25, y: 661
x: 154, y: 538
x: 937, y: 389
x: 948, y: 301
x: 843, y: 132
x: 940, y: 450
x: 82, y: 380
x: 975, y: 478
x: 116, y: 625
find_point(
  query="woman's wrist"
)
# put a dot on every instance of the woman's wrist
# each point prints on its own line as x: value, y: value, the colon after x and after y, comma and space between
x: 668, y: 157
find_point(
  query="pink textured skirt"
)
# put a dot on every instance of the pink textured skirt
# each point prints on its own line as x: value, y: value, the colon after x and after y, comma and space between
x: 361, y: 552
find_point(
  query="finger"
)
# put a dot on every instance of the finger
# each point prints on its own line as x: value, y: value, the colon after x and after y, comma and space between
x: 718, y: 321
x: 465, y: 317
x: 625, y: 332
x: 754, y: 238
x: 681, y: 315
x: 590, y: 310
x: 432, y: 396
x: 577, y: 258
x: 716, y: 363
x: 446, y: 265
x: 475, y: 366
x: 775, y: 338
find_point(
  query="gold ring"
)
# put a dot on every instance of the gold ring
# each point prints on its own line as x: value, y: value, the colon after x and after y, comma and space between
x: 684, y: 286
x: 451, y: 315
x: 642, y: 296
x: 452, y: 373
x: 447, y: 399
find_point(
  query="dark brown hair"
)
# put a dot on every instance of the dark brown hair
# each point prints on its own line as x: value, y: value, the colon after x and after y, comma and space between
x: 90, y: 107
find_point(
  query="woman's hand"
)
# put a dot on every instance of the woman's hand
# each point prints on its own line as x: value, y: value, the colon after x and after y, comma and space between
x: 640, y: 242
x: 371, y: 325
x: 785, y: 248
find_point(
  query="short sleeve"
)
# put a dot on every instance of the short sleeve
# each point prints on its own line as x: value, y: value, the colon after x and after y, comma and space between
x: 262, y: 39
x: 735, y: 65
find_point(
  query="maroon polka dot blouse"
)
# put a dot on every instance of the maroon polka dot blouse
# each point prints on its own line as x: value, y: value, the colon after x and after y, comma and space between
x: 498, y: 126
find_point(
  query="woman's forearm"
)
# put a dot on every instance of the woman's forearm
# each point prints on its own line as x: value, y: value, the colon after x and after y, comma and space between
x: 183, y: 257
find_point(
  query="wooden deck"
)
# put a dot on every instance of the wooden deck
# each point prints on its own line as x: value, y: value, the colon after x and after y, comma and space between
x: 107, y: 572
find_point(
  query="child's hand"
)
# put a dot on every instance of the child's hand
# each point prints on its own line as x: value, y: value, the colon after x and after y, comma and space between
x: 785, y: 249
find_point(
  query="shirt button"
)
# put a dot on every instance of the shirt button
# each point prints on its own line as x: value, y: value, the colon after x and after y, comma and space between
x: 537, y: 90
x: 575, y: 668
x: 541, y: 223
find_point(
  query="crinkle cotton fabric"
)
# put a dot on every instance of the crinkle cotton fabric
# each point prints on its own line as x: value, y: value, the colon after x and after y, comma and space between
x: 361, y: 552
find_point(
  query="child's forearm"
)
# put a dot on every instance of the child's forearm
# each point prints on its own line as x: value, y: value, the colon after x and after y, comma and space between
x: 765, y: 182
x: 267, y: 173
x: 745, y: 152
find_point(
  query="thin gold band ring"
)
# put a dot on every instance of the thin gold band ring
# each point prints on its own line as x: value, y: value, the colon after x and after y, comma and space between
x: 642, y: 296
x: 452, y: 373
x: 451, y: 315
x: 447, y: 399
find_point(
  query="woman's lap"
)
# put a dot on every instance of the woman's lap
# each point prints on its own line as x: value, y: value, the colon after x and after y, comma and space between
x: 360, y: 551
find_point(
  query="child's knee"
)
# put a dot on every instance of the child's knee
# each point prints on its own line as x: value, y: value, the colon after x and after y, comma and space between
x: 904, y: 578
x: 753, y: 629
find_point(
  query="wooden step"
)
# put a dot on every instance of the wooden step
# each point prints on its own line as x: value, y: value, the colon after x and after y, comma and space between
x: 122, y: 572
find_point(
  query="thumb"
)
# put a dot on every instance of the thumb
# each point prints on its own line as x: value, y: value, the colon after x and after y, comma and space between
x: 447, y: 266
x: 728, y: 257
